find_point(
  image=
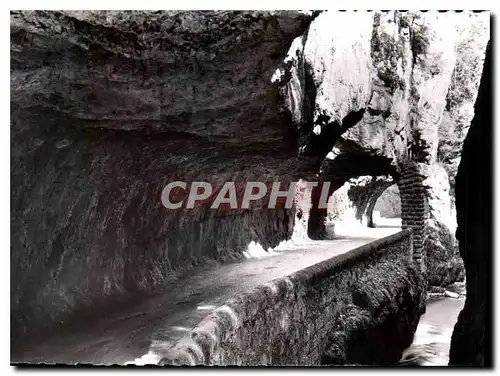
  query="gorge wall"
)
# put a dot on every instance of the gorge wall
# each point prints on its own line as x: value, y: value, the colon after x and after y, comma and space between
x: 361, y: 307
x: 107, y: 107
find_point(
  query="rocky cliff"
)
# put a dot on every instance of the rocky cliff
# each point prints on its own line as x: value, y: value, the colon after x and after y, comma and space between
x: 107, y: 107
x: 398, y: 90
x: 471, y: 343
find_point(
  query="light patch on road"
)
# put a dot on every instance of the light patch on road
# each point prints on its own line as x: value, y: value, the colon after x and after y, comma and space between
x: 147, y: 359
x: 255, y: 250
x: 180, y: 329
x: 206, y: 307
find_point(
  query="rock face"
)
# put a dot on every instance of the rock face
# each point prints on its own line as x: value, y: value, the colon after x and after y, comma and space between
x: 469, y: 48
x: 411, y: 79
x: 471, y: 342
x: 108, y: 107
x: 444, y: 264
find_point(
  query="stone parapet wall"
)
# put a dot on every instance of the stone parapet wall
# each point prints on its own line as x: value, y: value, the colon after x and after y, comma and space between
x: 295, y: 320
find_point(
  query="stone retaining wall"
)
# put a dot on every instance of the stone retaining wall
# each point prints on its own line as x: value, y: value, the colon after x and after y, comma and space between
x: 299, y: 319
x: 414, y: 209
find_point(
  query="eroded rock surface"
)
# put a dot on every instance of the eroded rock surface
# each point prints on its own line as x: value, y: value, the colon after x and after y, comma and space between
x: 471, y: 343
x: 109, y: 107
x: 411, y: 79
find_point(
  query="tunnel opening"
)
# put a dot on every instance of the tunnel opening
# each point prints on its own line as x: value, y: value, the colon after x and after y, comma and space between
x: 370, y: 172
x: 385, y: 210
x: 368, y: 176
x: 351, y: 207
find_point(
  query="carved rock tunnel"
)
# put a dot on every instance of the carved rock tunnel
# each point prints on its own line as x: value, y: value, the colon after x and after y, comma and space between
x: 350, y: 165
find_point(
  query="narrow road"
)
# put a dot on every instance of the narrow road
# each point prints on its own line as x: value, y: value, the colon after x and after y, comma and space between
x: 138, y: 333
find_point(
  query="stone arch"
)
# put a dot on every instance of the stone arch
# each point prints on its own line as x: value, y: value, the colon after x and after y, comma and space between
x: 414, y: 207
x: 338, y: 171
x: 387, y: 206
